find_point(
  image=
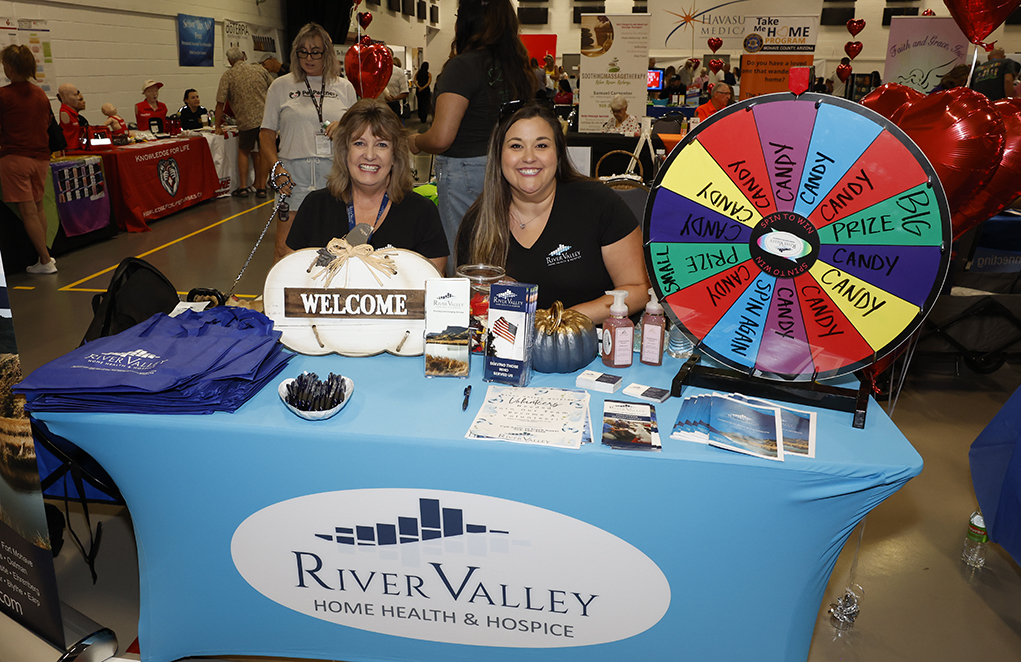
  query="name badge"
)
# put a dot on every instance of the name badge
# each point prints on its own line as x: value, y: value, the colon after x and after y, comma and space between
x: 323, y: 145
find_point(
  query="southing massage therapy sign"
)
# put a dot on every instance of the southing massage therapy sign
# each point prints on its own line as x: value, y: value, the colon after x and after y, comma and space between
x: 450, y: 567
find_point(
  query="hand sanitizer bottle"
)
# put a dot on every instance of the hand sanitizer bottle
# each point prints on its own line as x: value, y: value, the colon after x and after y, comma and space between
x: 618, y: 333
x: 653, y: 331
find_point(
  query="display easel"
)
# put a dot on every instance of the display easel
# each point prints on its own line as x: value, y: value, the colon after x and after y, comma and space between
x: 812, y: 393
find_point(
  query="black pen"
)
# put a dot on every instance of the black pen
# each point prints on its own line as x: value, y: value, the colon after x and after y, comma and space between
x: 467, y: 394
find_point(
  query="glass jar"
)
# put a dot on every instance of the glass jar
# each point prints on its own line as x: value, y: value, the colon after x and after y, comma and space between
x: 481, y: 277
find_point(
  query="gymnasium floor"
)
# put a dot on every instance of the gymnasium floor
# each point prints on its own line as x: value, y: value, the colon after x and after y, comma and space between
x: 920, y: 604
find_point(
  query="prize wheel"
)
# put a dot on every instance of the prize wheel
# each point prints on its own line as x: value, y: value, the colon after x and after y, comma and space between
x: 797, y: 238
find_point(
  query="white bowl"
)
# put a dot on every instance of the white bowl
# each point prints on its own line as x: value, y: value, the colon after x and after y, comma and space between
x: 349, y: 389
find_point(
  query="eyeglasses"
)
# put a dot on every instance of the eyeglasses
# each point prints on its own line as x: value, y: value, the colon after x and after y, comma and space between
x: 311, y: 55
x: 508, y: 108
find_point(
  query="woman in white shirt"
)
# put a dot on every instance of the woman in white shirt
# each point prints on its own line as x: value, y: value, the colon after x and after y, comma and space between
x: 301, y: 108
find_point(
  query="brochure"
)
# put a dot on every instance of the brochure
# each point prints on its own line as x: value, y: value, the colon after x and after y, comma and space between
x: 748, y: 428
x: 798, y: 426
x: 630, y: 426
x: 534, y: 415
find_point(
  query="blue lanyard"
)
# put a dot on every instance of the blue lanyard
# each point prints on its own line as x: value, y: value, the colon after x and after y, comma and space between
x: 351, y: 212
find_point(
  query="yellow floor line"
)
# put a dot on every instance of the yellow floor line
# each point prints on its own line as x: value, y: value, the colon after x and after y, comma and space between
x: 73, y: 286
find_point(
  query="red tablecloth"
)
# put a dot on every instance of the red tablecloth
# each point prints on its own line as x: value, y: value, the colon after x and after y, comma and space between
x: 151, y: 180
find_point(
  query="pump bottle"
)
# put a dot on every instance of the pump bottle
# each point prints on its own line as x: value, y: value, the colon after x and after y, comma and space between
x: 618, y: 333
x: 653, y: 331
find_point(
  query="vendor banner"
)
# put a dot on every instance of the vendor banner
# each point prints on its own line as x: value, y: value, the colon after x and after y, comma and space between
x: 28, y: 584
x: 254, y: 40
x: 768, y: 73
x: 194, y: 41
x: 676, y: 28
x: 615, y: 50
x: 923, y: 49
x: 780, y: 34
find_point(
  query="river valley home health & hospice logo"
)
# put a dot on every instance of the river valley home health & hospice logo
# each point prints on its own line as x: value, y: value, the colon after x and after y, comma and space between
x: 450, y: 567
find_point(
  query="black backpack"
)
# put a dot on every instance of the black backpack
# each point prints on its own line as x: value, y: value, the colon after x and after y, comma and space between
x: 137, y: 291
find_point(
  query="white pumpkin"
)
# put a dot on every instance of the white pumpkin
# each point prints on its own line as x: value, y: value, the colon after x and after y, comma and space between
x: 349, y: 337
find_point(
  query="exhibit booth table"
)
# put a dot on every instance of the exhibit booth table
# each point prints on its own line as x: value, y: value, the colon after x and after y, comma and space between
x: 148, y: 181
x: 384, y: 534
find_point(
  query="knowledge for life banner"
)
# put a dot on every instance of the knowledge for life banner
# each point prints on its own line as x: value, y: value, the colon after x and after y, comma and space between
x: 923, y: 49
x: 615, y: 61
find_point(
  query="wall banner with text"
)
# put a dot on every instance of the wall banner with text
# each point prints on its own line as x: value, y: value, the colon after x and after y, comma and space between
x: 681, y: 27
x: 254, y: 40
x: 615, y: 60
x: 780, y: 34
x: 194, y: 41
x: 922, y: 49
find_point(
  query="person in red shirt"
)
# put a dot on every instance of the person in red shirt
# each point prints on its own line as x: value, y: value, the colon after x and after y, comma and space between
x: 25, y: 148
x: 717, y: 100
x: 150, y: 107
x: 71, y: 103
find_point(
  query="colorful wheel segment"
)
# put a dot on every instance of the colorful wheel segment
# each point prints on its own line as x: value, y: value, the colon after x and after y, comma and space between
x: 797, y: 238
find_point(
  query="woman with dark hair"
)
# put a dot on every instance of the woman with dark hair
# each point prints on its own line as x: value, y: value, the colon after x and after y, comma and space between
x: 546, y: 224
x: 370, y: 183
x: 423, y: 79
x: 192, y: 114
x: 564, y: 93
x: 956, y: 77
x: 25, y: 148
x: 300, y: 108
x: 489, y: 68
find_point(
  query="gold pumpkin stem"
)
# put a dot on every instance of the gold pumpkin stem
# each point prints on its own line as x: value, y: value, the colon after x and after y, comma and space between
x: 557, y: 311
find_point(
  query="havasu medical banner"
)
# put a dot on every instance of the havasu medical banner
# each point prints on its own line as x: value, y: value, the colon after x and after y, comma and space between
x: 615, y: 60
x: 772, y: 45
x: 923, y: 49
x: 194, y: 41
x: 28, y: 585
x: 682, y: 27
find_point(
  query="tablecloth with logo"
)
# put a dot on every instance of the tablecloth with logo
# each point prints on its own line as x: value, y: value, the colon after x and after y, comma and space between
x: 383, y: 533
x: 148, y: 181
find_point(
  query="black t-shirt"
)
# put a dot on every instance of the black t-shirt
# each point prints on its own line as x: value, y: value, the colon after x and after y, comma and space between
x: 190, y: 120
x: 566, y: 261
x: 467, y: 75
x: 988, y: 77
x: 413, y: 223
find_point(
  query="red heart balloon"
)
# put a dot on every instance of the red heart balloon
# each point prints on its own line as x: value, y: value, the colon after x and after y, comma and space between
x: 852, y: 48
x: 928, y: 12
x: 364, y: 18
x: 843, y: 72
x: 962, y: 135
x: 1005, y: 185
x: 978, y: 18
x: 715, y: 43
x: 856, y: 25
x: 715, y: 65
x: 368, y: 68
x: 695, y: 62
x: 891, y: 100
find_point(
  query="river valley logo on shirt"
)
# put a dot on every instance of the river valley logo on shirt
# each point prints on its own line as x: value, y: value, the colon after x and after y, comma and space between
x: 562, y: 255
x: 451, y: 567
x: 169, y: 175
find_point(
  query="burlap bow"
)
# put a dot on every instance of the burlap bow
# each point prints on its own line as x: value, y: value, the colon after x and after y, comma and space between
x: 338, y: 252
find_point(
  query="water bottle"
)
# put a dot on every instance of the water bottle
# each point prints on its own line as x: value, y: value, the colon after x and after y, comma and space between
x: 974, y: 553
x: 679, y: 345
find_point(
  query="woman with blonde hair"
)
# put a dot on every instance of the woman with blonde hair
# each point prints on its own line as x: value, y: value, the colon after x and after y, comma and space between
x: 24, y: 148
x: 301, y: 108
x: 370, y: 183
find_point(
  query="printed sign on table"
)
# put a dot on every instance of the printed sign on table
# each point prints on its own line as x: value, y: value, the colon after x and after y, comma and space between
x: 28, y: 585
x: 923, y: 49
x: 615, y: 50
x: 195, y: 41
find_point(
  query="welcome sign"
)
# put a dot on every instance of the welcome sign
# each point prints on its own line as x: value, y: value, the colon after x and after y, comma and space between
x: 450, y: 567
